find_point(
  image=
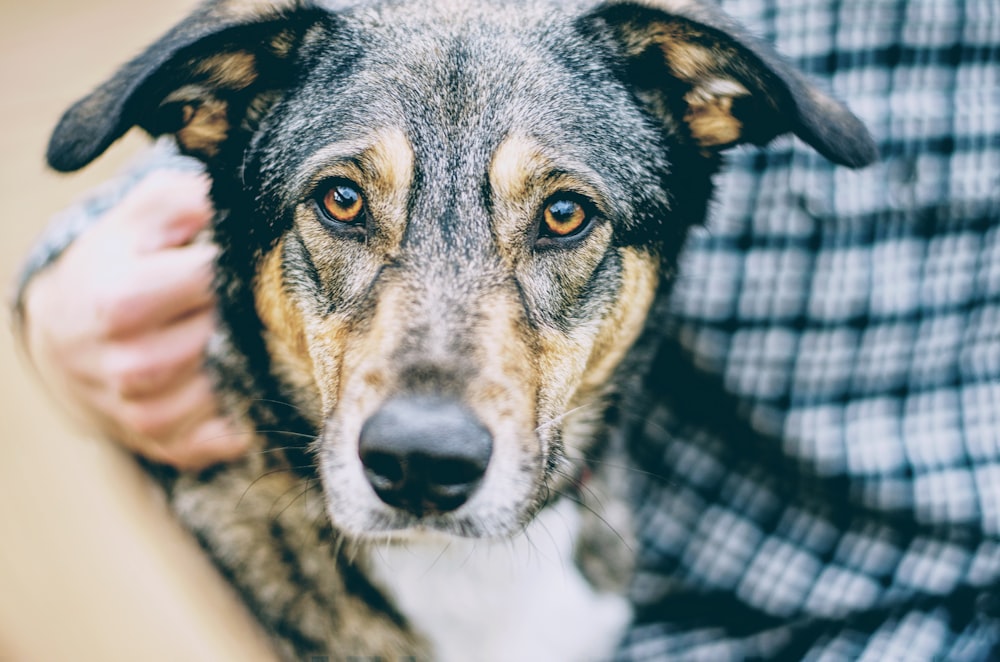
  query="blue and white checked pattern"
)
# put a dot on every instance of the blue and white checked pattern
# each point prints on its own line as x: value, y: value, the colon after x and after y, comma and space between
x: 857, y: 316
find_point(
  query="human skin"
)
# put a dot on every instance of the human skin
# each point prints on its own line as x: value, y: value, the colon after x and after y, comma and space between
x: 118, y: 325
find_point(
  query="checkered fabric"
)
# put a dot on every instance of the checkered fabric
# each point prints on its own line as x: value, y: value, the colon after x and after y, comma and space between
x: 856, y: 318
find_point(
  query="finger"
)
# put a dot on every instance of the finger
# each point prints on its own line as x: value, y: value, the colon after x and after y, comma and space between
x: 159, y: 361
x: 156, y: 421
x: 210, y: 442
x: 164, y: 287
x: 166, y: 209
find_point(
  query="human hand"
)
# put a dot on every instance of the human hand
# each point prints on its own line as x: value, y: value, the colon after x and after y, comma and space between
x: 120, y: 322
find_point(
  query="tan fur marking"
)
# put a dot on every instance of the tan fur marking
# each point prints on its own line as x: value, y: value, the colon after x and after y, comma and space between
x: 710, y: 101
x: 514, y: 170
x: 389, y: 175
x: 576, y: 369
x: 502, y: 395
x: 328, y: 340
x: 690, y: 62
x: 391, y: 158
x: 282, y: 43
x: 560, y: 365
x: 285, y: 331
x: 383, y: 168
x: 234, y: 71
x: 325, y: 338
x: 523, y: 176
x: 621, y: 328
x: 349, y: 367
x: 711, y: 120
x: 516, y: 163
x: 366, y: 367
x: 687, y: 60
x: 207, y: 126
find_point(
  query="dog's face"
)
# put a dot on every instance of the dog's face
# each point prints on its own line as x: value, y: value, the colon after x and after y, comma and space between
x: 461, y: 270
x: 456, y: 217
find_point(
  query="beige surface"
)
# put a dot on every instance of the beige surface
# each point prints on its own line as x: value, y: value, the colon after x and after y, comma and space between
x: 90, y: 567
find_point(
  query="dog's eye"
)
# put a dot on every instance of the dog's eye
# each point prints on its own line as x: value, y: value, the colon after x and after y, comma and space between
x: 342, y: 202
x: 564, y: 216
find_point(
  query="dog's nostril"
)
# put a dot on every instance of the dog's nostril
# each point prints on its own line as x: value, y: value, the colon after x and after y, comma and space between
x: 448, y: 472
x: 424, y: 454
x: 382, y: 469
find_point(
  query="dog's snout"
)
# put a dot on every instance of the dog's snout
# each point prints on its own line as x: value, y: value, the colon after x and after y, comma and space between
x: 424, y: 454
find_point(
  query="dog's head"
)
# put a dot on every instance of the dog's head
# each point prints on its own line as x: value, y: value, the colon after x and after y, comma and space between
x: 447, y: 221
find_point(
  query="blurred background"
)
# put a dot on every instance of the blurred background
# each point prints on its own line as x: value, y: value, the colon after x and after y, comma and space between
x: 91, y: 568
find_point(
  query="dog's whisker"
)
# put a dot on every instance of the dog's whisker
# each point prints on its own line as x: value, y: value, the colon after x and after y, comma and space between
x: 622, y: 466
x: 320, y: 521
x: 558, y: 419
x: 288, y: 433
x: 282, y: 403
x: 354, y: 549
x: 600, y: 517
x: 532, y: 547
x: 437, y: 559
x: 472, y: 553
x: 275, y: 449
x: 582, y: 486
x: 302, y: 492
x: 264, y: 475
x: 315, y: 523
x: 338, y: 545
x: 264, y: 431
x: 256, y: 480
x: 555, y: 545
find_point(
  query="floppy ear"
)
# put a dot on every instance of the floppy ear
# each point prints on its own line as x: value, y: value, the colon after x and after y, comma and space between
x: 697, y: 70
x: 199, y: 81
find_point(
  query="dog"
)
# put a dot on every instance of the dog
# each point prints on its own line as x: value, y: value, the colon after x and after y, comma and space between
x: 448, y: 230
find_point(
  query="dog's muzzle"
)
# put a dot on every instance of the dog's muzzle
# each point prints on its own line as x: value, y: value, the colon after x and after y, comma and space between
x: 424, y: 455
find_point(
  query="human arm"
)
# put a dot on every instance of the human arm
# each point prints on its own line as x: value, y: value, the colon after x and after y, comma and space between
x: 115, y: 310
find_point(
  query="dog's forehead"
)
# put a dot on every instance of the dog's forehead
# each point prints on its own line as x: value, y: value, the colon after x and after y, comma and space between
x: 457, y: 83
x: 451, y: 64
x: 454, y: 12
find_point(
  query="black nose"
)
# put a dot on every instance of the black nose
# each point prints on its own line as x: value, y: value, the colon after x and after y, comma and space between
x: 424, y: 454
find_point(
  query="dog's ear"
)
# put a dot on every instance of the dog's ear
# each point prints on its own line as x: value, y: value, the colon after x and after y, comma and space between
x: 694, y: 67
x: 199, y: 82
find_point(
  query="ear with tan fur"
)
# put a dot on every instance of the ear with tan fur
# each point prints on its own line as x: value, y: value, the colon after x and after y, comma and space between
x: 699, y: 72
x: 198, y: 82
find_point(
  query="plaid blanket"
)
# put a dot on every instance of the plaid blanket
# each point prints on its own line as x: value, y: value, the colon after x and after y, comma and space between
x: 850, y: 508
x: 855, y: 318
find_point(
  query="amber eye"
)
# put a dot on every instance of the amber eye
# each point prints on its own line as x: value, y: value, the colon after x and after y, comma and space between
x: 564, y: 217
x: 343, y: 202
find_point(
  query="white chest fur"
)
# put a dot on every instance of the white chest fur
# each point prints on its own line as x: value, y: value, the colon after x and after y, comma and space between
x: 521, y: 599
